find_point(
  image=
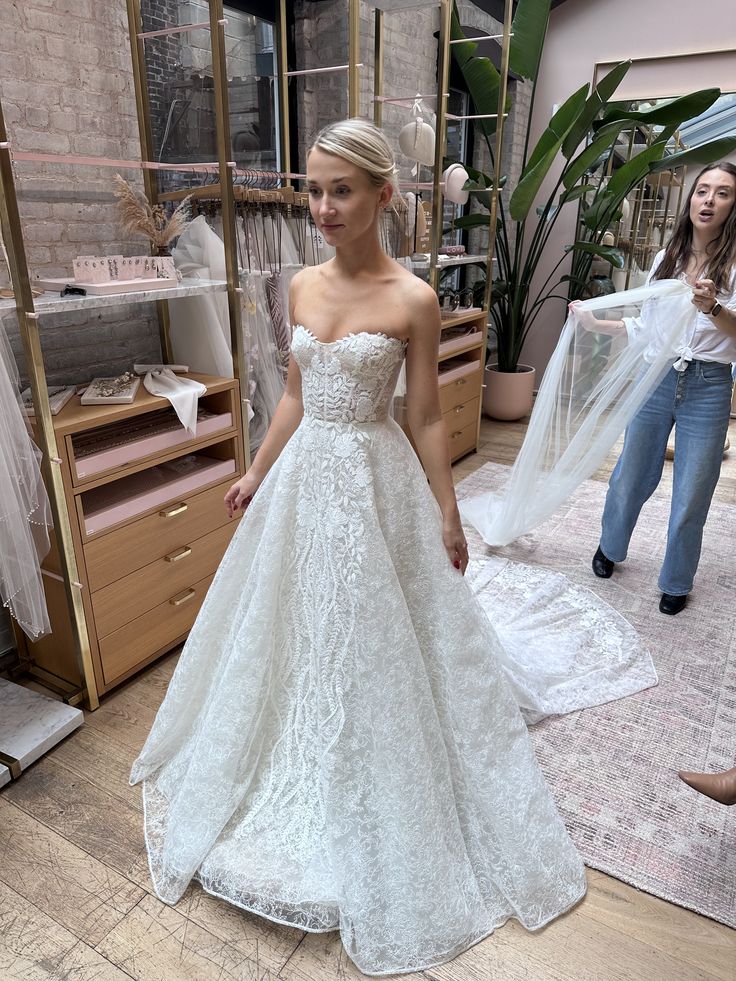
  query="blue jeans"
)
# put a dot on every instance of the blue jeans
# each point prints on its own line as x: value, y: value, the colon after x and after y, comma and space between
x: 697, y: 402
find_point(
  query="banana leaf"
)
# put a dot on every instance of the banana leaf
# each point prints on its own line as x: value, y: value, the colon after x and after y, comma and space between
x: 585, y: 160
x: 481, y: 77
x: 544, y: 154
x: 676, y: 111
x: 529, y: 29
x: 599, y: 97
x: 607, y: 252
x: 471, y: 221
x: 576, y: 192
x: 702, y: 155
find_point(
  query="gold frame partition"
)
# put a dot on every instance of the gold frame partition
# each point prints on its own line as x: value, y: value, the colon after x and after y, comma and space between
x: 283, y: 67
x: 28, y: 325
x: 135, y: 29
x: 443, y: 72
x: 445, y: 13
x: 217, y: 25
x: 440, y: 140
x: 500, y: 122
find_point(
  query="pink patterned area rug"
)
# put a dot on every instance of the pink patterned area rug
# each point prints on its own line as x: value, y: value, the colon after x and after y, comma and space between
x: 613, y: 768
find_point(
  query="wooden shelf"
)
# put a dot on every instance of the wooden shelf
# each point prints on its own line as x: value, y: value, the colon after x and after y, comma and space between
x: 464, y: 318
x: 75, y: 417
x: 443, y: 261
x: 155, y: 519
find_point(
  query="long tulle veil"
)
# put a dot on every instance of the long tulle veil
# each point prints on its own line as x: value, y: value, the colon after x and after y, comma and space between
x: 593, y: 386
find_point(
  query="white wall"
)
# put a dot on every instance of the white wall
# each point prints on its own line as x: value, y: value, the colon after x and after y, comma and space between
x: 584, y: 33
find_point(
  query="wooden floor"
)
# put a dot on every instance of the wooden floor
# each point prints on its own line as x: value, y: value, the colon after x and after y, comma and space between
x: 76, y: 902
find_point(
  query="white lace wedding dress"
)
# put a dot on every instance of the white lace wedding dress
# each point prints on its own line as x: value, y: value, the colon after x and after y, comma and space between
x: 339, y: 747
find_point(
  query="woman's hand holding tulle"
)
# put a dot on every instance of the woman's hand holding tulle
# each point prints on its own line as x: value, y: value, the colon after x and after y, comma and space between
x: 585, y: 318
x: 241, y: 493
x: 704, y: 294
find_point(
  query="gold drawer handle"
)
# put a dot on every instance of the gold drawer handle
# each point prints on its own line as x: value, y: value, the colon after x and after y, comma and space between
x: 461, y: 381
x: 455, y: 435
x: 172, y: 512
x: 459, y: 408
x: 180, y: 554
x: 184, y: 598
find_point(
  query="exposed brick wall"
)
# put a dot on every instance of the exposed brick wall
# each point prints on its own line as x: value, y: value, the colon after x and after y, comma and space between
x: 66, y: 84
x: 163, y: 56
x: 67, y: 87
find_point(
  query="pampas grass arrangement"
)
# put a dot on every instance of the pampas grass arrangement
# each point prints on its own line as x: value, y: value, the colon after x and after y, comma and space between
x: 137, y: 217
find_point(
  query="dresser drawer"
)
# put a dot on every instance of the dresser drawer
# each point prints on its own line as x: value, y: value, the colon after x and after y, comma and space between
x: 112, y: 556
x: 460, y: 385
x: 131, y: 645
x: 462, y: 415
x: 138, y: 592
x: 462, y: 441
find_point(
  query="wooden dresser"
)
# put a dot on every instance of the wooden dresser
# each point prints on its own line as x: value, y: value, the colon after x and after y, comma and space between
x: 145, y: 500
x: 460, y: 364
x: 460, y: 371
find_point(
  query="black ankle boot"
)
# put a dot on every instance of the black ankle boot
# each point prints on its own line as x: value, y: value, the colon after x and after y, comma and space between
x: 671, y: 604
x: 602, y: 566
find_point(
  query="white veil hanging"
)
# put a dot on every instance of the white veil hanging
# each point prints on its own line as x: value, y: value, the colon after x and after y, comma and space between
x: 25, y: 515
x: 199, y: 332
x: 593, y: 386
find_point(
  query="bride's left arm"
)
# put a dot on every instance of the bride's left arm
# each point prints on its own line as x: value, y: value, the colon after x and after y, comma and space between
x: 425, y: 420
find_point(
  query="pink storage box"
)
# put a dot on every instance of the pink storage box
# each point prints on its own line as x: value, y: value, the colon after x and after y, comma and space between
x: 125, y: 498
x: 118, y: 456
x: 468, y: 368
x: 459, y: 343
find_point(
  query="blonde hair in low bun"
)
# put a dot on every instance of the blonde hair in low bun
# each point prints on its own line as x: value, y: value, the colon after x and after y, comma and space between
x: 361, y: 143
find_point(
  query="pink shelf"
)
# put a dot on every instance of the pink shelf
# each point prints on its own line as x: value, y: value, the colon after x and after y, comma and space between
x: 127, y: 450
x: 459, y: 344
x: 125, y: 498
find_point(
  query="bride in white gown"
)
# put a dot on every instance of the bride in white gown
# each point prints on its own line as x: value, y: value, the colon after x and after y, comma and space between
x: 339, y: 747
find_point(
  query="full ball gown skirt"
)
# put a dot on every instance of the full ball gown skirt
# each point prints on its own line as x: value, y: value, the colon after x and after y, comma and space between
x: 338, y: 747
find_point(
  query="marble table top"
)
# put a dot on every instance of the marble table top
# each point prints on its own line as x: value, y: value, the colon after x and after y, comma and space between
x: 31, y: 723
x: 4, y: 775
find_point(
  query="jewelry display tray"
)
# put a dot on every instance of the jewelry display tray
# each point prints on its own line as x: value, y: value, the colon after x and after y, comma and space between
x: 107, y: 289
x: 125, y: 442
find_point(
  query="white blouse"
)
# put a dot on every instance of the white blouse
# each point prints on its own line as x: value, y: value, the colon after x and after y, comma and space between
x: 704, y: 340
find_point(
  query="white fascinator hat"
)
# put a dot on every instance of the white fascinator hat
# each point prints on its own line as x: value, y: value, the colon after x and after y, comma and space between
x: 454, y: 178
x: 416, y: 139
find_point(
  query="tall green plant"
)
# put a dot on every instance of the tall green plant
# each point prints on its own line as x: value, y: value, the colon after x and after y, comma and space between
x: 588, y: 113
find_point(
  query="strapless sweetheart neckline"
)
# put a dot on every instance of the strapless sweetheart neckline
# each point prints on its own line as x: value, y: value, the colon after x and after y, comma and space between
x: 356, y: 333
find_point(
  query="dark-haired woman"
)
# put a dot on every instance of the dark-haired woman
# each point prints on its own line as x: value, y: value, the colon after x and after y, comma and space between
x: 694, y: 396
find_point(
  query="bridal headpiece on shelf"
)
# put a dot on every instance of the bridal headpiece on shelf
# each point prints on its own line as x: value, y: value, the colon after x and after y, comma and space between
x: 416, y: 139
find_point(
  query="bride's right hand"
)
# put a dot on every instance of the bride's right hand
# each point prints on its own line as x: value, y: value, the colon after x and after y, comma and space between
x: 241, y: 493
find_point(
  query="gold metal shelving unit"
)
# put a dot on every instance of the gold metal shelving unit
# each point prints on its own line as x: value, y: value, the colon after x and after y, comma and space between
x: 29, y: 311
x: 382, y: 8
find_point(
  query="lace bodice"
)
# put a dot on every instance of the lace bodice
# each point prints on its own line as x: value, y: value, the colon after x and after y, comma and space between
x: 350, y: 380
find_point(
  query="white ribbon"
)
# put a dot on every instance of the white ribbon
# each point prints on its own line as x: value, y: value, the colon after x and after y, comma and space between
x: 183, y: 393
